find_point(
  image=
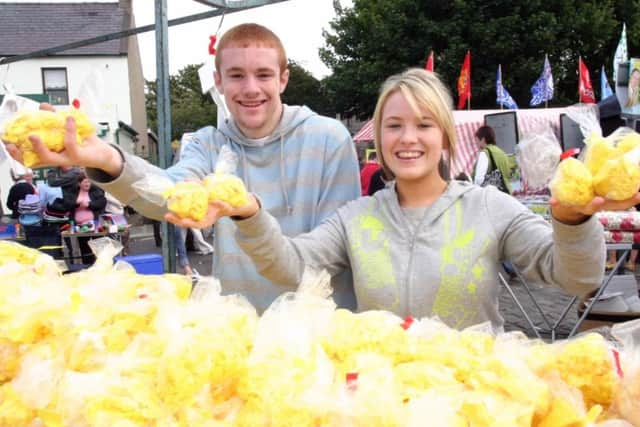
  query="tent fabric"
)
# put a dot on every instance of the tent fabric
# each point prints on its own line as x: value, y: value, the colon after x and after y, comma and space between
x: 530, y: 121
x: 365, y: 134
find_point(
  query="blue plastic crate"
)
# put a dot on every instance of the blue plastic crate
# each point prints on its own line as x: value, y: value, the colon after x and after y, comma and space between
x: 144, y: 263
x: 7, y: 231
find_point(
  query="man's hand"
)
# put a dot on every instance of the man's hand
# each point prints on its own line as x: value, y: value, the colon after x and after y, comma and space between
x: 574, y: 215
x: 93, y: 153
x: 217, y: 210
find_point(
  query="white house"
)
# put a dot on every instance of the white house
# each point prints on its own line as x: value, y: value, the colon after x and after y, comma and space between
x: 106, y: 77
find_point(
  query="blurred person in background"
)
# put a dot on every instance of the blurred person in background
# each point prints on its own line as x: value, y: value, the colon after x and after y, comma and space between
x: 23, y: 186
x: 87, y: 205
x: 369, y: 168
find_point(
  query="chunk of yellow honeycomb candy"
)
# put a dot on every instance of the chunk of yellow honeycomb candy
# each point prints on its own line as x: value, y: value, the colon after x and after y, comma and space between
x: 572, y: 183
x: 227, y: 188
x: 618, y: 179
x: 599, y: 150
x: 188, y: 199
x: 628, y: 143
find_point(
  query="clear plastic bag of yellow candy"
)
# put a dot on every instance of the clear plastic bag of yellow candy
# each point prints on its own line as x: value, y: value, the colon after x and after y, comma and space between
x: 602, y: 149
x: 619, y: 177
x: 11, y: 104
x: 626, y: 404
x: 49, y: 126
x: 186, y: 199
x: 20, y: 117
x: 572, y: 183
x: 223, y: 185
x: 296, y: 319
x: 368, y: 395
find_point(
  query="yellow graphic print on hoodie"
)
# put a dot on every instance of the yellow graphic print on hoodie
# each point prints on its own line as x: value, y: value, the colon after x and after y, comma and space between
x: 460, y: 273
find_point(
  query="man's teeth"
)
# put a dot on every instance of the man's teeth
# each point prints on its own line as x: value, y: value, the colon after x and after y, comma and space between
x: 409, y: 154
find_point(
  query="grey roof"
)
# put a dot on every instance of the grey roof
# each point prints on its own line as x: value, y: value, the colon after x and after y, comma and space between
x: 29, y: 27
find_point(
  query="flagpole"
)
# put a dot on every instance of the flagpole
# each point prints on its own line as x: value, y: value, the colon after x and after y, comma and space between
x: 579, y: 77
x: 546, y: 101
x: 500, y: 72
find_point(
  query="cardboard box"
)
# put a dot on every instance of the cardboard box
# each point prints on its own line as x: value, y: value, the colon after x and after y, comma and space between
x: 144, y: 263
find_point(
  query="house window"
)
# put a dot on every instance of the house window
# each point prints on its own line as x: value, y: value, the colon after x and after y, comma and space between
x: 54, y: 82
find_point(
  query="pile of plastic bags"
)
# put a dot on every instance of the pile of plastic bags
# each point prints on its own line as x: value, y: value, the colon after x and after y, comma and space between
x: 109, y: 347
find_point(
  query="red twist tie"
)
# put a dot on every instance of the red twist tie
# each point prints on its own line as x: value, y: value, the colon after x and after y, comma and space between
x: 76, y: 103
x: 352, y: 380
x: 212, y: 45
x: 408, y: 321
x: 616, y: 362
x: 142, y: 296
x: 570, y: 153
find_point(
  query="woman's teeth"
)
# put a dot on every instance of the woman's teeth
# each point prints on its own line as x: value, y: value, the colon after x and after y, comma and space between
x: 408, y: 154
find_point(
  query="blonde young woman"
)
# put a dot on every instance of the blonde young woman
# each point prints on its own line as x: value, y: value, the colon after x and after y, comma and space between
x: 428, y: 245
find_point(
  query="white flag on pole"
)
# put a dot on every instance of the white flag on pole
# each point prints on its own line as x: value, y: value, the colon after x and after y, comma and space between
x: 621, y: 53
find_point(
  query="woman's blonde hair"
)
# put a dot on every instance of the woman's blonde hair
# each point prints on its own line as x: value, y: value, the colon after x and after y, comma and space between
x: 423, y: 90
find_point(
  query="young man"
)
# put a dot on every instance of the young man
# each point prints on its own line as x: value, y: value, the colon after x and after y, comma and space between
x: 303, y: 165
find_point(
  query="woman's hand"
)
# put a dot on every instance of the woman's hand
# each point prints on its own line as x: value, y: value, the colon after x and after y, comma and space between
x: 217, y: 210
x: 573, y: 215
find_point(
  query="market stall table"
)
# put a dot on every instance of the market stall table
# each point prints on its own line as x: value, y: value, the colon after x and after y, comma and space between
x: 72, y: 251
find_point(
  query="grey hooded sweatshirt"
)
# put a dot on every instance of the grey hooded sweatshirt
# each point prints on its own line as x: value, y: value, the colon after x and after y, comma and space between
x: 304, y: 172
x: 443, y: 264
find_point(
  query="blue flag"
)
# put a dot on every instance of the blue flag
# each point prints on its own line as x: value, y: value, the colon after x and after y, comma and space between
x: 605, y: 89
x: 502, y: 96
x: 542, y: 89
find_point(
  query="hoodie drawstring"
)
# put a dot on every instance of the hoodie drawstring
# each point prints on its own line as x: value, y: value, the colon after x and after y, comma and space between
x: 245, y: 168
x: 247, y: 180
x: 282, y: 177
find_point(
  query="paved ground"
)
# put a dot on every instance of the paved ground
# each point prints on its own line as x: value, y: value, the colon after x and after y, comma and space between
x: 552, y: 301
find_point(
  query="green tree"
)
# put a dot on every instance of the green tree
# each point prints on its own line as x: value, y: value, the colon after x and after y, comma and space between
x: 376, y: 38
x: 305, y: 89
x: 190, y: 108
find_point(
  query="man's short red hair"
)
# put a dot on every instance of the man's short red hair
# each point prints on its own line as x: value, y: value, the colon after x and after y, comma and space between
x: 247, y: 35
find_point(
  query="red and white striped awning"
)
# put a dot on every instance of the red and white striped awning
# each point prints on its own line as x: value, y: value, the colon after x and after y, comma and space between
x: 365, y: 134
x: 468, y: 121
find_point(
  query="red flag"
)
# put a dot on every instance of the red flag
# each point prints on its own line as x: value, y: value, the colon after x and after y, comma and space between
x: 429, y: 65
x: 464, y: 81
x: 584, y: 87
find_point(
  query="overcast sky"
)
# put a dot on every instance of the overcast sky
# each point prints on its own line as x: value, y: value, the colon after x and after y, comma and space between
x: 298, y: 23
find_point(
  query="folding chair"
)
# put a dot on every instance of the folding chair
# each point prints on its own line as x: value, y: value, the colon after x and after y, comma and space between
x: 552, y: 328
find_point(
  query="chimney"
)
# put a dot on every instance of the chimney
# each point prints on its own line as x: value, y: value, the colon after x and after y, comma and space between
x: 125, y: 5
